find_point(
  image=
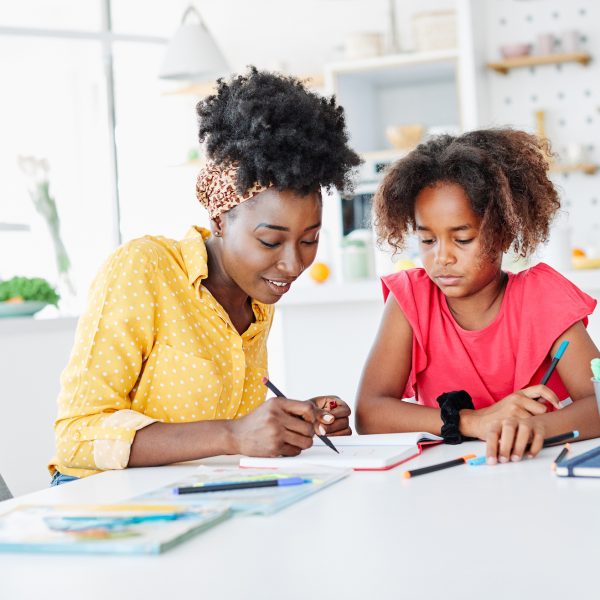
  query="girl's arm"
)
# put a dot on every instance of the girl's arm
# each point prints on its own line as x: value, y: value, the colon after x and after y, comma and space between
x: 508, y: 438
x: 379, y: 407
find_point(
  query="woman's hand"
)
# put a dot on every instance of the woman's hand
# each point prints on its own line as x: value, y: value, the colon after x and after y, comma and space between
x: 510, y: 439
x: 279, y: 427
x: 521, y: 404
x: 332, y: 416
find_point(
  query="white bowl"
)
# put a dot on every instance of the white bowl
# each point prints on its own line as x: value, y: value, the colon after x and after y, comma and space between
x: 515, y: 50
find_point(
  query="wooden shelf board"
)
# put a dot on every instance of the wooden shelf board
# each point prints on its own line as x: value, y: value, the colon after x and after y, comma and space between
x: 504, y: 66
x: 206, y: 88
x: 587, y: 168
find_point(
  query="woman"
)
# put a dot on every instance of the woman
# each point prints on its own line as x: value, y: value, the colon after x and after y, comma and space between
x: 169, y: 357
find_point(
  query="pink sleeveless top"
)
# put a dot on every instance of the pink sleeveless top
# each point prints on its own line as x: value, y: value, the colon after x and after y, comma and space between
x: 509, y: 354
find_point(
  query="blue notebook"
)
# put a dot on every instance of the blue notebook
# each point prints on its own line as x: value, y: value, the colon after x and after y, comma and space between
x: 584, y: 465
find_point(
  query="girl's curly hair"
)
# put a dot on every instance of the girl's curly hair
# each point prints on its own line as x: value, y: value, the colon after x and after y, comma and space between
x: 502, y: 171
x: 277, y: 132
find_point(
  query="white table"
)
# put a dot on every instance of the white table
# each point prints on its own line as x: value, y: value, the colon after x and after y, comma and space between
x: 509, y: 531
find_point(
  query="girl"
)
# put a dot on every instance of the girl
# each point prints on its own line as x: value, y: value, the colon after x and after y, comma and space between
x: 463, y: 324
x: 169, y: 356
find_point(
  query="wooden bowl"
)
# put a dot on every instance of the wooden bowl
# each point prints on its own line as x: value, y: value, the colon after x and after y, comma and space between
x: 404, y: 137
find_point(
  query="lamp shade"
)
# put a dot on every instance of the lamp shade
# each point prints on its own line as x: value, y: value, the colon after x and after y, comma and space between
x: 192, y: 54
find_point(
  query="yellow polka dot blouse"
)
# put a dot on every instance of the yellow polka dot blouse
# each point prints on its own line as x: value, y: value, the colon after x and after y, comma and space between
x: 153, y: 345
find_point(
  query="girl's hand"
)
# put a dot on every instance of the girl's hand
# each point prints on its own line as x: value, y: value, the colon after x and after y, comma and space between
x: 511, y: 438
x: 279, y: 427
x: 332, y: 415
x: 521, y: 404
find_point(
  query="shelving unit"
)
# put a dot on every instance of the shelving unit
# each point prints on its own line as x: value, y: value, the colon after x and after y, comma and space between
x: 418, y: 87
x: 378, y: 93
x: 504, y: 66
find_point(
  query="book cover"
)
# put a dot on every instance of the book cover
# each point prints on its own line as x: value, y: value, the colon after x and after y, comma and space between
x: 584, y: 465
x: 104, y: 529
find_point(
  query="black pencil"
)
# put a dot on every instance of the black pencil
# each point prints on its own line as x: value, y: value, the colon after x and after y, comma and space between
x: 432, y: 468
x: 278, y: 392
x: 561, y: 455
x: 563, y: 437
x: 240, y: 485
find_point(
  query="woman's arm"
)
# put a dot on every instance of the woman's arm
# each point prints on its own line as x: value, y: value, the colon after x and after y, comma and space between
x: 379, y: 407
x: 278, y: 427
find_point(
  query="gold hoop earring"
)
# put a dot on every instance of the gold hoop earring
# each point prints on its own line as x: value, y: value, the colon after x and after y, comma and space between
x: 217, y: 234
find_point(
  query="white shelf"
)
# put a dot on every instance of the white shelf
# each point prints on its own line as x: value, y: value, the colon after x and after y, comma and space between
x: 396, y: 62
x: 14, y: 227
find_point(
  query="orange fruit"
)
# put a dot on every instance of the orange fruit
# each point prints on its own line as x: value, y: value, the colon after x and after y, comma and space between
x: 14, y: 300
x: 319, y: 272
x: 577, y: 252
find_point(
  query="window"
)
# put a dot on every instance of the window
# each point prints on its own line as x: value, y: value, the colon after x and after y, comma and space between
x: 57, y: 104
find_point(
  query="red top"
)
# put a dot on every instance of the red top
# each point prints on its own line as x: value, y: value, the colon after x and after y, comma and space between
x: 509, y: 354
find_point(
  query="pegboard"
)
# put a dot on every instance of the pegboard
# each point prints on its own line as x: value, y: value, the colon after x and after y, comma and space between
x: 568, y: 93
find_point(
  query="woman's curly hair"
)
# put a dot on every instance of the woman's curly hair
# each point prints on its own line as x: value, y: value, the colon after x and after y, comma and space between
x: 502, y: 171
x: 277, y: 132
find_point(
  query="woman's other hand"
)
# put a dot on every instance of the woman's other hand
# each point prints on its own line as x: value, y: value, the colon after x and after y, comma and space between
x: 332, y: 416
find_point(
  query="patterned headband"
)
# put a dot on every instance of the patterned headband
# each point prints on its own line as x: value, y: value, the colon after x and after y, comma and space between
x: 216, y: 191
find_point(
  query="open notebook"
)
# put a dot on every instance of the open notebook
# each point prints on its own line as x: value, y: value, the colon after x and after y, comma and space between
x: 373, y: 452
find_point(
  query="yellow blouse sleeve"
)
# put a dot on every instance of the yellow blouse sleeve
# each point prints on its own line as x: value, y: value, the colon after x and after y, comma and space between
x: 95, y: 425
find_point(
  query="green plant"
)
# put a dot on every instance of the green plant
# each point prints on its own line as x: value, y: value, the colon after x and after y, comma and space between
x: 28, y: 288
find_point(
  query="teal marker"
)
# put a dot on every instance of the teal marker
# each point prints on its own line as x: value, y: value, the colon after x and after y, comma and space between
x: 557, y: 357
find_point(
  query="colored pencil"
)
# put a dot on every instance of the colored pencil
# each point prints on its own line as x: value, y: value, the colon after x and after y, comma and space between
x: 557, y: 357
x: 563, y: 437
x: 560, y: 456
x: 240, y: 485
x: 277, y: 392
x: 432, y: 468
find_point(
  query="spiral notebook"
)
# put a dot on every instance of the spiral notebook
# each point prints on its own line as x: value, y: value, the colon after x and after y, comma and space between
x: 374, y: 452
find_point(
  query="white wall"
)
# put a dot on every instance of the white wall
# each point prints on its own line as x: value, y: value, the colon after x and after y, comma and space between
x: 32, y: 356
